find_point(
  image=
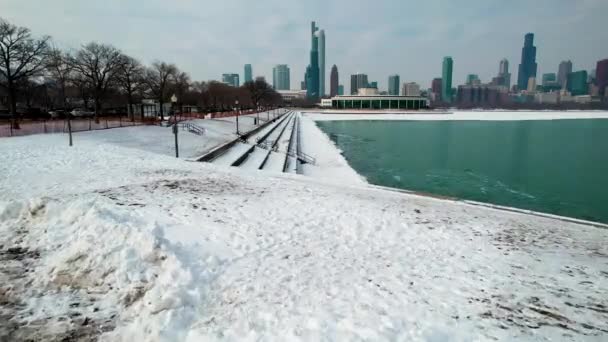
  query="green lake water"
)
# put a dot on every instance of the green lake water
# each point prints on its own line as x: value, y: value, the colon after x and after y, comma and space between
x: 558, y: 166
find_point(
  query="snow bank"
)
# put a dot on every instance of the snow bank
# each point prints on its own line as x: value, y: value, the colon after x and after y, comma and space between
x: 462, y: 115
x: 103, y: 241
x: 329, y: 162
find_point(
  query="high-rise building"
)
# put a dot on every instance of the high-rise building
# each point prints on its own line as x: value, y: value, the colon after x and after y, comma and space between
x: 577, y: 83
x: 601, y: 77
x: 446, y: 79
x: 565, y: 67
x: 340, y: 89
x: 472, y: 79
x: 231, y: 80
x: 303, y: 85
x: 248, y: 75
x: 373, y: 84
x: 503, y: 74
x: 357, y: 81
x: 591, y: 76
x: 280, y: 77
x: 410, y: 89
x: 393, y: 85
x: 528, y: 66
x: 549, y: 78
x: 531, y: 87
x: 334, y: 81
x: 313, y: 82
x: 436, y: 88
x: 321, y: 35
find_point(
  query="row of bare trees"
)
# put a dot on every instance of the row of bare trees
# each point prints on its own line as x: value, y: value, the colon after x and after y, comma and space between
x: 102, y: 75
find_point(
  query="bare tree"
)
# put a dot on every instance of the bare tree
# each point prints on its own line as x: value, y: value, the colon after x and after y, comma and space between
x: 21, y: 57
x: 260, y: 92
x: 158, y: 79
x: 60, y: 70
x: 99, y: 63
x: 84, y: 88
x: 130, y: 77
x: 181, y: 85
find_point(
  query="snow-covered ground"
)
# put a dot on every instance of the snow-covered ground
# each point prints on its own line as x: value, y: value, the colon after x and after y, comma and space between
x: 497, y: 115
x: 125, y: 243
x: 161, y: 140
x: 329, y: 163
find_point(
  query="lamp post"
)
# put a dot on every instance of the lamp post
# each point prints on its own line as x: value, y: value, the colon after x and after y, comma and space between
x: 175, y: 130
x: 236, y: 107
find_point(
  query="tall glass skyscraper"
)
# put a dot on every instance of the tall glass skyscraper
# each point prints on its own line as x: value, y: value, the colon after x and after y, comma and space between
x: 446, y: 79
x: 358, y: 81
x: 472, y: 79
x: 393, y: 85
x: 321, y: 35
x: 528, y: 66
x: 503, y: 73
x: 312, y: 71
x: 549, y: 78
x: 601, y: 77
x: 248, y: 76
x: 565, y: 68
x: 577, y: 83
x: 334, y: 81
x: 280, y: 77
x: 231, y: 80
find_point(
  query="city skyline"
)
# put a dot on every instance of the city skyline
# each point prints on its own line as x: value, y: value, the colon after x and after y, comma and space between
x: 412, y: 49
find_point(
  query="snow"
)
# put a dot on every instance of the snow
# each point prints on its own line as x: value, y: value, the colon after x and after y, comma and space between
x: 231, y: 155
x: 459, y: 115
x: 255, y: 159
x: 329, y: 162
x: 275, y: 162
x: 124, y: 243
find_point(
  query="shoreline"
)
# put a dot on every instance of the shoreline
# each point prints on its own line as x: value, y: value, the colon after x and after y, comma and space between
x: 314, y: 117
x: 456, y: 115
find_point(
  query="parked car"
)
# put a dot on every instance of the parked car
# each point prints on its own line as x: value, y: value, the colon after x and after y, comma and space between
x: 80, y: 113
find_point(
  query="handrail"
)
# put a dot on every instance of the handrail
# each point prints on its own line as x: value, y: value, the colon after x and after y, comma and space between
x: 291, y: 141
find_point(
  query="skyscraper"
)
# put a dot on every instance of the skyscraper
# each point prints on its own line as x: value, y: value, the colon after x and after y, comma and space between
x: 280, y: 77
x: 410, y: 89
x: 313, y: 71
x: 601, y: 77
x: 334, y: 81
x: 248, y: 75
x: 577, y: 83
x: 528, y: 65
x: 446, y: 79
x: 436, y: 88
x: 504, y: 77
x: 341, y: 89
x: 472, y: 79
x: 565, y: 67
x: 373, y: 84
x: 321, y: 35
x: 503, y: 67
x: 549, y: 78
x: 357, y: 81
x: 393, y: 84
x: 231, y: 80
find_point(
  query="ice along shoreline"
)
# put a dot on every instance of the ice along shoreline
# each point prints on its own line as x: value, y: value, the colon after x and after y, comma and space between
x: 497, y: 115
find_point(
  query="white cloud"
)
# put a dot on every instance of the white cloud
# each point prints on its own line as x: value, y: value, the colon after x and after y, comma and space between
x: 380, y: 38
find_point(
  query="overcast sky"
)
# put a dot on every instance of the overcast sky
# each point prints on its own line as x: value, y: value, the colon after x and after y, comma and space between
x: 207, y: 38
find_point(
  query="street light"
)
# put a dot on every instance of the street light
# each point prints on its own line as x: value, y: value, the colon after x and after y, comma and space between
x: 236, y: 107
x: 175, y: 130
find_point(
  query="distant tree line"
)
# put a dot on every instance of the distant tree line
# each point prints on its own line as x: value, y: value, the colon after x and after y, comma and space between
x: 34, y: 72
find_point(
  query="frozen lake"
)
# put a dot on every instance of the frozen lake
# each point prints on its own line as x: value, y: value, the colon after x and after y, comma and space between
x: 553, y: 166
